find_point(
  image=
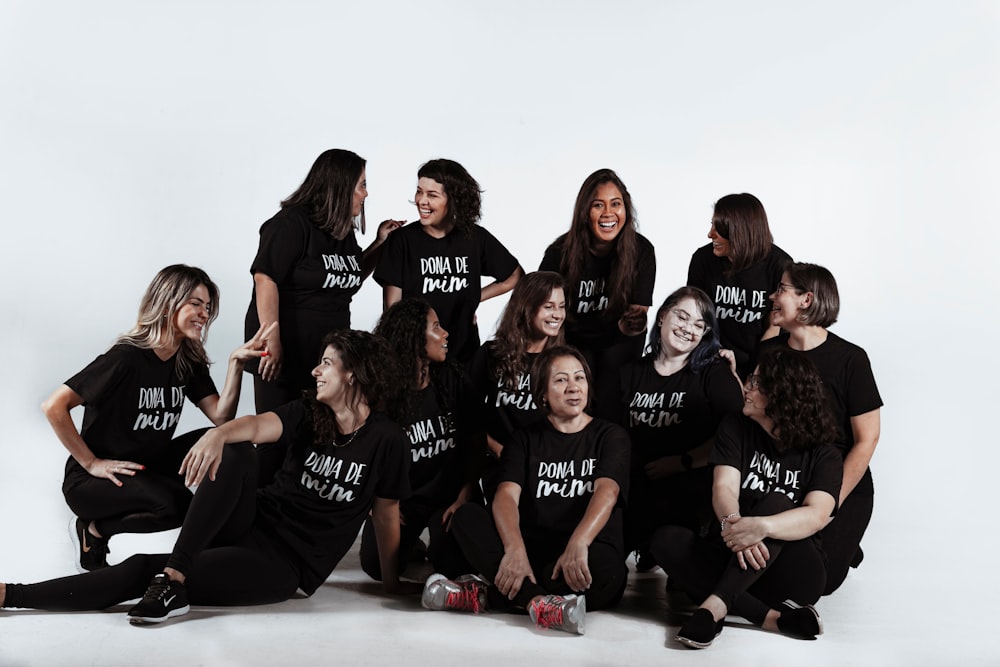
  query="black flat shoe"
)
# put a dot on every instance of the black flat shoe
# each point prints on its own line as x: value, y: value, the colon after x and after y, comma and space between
x: 700, y: 630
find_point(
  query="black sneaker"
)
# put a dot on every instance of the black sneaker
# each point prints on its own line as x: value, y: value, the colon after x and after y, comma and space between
x: 700, y: 630
x: 800, y: 622
x: 93, y: 550
x: 163, y: 599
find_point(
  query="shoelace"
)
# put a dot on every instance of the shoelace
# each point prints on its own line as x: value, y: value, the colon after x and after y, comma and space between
x: 157, y: 591
x: 547, y: 613
x: 466, y: 598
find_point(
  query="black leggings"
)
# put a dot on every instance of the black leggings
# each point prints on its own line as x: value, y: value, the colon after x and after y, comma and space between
x: 702, y: 567
x: 154, y: 499
x: 477, y: 535
x: 227, y: 559
x: 842, y: 537
x: 606, y: 363
x: 442, y: 551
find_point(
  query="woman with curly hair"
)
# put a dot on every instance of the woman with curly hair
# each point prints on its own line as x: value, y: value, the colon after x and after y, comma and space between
x: 776, y: 483
x: 240, y: 546
x: 307, y: 269
x: 609, y: 270
x: 121, y: 475
x: 673, y: 400
x: 501, y: 370
x: 737, y: 270
x: 805, y: 304
x: 444, y: 255
x: 430, y: 400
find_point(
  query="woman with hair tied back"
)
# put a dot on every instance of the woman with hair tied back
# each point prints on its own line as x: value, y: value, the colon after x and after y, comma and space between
x: 737, y: 270
x: 776, y: 480
x: 804, y: 305
x: 609, y: 270
x: 240, y: 545
x: 443, y: 256
x: 501, y: 370
x: 674, y: 398
x: 121, y: 475
x: 307, y: 269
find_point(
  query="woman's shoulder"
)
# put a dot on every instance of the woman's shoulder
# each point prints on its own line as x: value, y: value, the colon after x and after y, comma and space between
x: 645, y: 245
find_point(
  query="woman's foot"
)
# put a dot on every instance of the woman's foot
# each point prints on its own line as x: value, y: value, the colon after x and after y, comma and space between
x: 558, y: 612
x: 466, y: 593
x: 700, y: 630
x: 93, y: 550
x: 800, y: 622
x: 165, y: 598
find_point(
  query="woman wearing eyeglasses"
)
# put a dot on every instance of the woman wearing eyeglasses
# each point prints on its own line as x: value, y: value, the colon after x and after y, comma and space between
x: 804, y: 305
x: 737, y: 270
x: 674, y: 398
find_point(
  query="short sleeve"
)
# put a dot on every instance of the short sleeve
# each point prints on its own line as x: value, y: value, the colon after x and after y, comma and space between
x: 200, y: 384
x: 513, y: 460
x: 552, y: 259
x: 862, y: 392
x: 615, y: 453
x: 727, y: 450
x: 282, y: 245
x: 389, y: 270
x: 495, y: 260
x: 394, y: 473
x: 642, y: 291
x: 99, y: 377
x: 724, y: 393
x: 828, y: 471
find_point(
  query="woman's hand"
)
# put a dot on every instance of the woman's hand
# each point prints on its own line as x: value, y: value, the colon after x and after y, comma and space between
x: 387, y: 227
x: 633, y: 321
x: 574, y: 567
x: 730, y: 357
x: 271, y: 358
x: 754, y: 556
x: 203, y: 458
x: 514, y: 567
x: 108, y: 468
x: 254, y: 348
x: 744, y: 535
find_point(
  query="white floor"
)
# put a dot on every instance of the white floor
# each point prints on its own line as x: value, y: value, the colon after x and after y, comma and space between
x: 900, y: 608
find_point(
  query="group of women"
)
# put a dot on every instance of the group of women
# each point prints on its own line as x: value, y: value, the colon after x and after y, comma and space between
x: 731, y: 449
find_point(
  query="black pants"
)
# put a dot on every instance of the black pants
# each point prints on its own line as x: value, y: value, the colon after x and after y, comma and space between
x: 442, y: 550
x: 154, y: 499
x: 841, y: 539
x: 226, y: 559
x: 606, y: 363
x: 702, y: 567
x: 684, y: 499
x: 477, y: 536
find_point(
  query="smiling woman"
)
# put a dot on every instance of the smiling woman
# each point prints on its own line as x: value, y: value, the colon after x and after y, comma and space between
x: 121, y: 476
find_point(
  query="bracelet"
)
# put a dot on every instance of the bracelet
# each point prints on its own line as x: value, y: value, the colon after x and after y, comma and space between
x: 724, y: 520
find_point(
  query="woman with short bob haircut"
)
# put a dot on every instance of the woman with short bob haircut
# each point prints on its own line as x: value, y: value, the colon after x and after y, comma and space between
x: 673, y: 400
x: 805, y: 303
x: 776, y: 482
x: 609, y: 270
x: 737, y: 270
x: 552, y: 544
x: 443, y: 256
x: 241, y: 546
x: 121, y: 475
x: 307, y: 269
x: 532, y: 321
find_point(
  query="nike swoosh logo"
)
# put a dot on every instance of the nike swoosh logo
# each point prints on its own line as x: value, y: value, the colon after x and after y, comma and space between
x: 83, y: 541
x: 170, y: 599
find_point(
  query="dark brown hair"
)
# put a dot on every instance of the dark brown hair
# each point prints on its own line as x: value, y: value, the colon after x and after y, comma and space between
x: 796, y: 399
x: 327, y: 194
x: 825, y: 306
x: 741, y: 220
x: 542, y: 367
x: 515, y: 332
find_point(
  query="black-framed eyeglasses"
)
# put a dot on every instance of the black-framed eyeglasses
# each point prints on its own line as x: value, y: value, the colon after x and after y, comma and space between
x: 752, y: 382
x: 784, y: 287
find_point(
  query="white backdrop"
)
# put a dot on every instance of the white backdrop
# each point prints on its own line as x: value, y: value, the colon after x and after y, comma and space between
x: 135, y: 135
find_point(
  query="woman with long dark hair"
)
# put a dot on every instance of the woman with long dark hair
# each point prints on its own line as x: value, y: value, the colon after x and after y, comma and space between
x: 429, y: 399
x: 609, y: 269
x: 805, y: 304
x: 307, y: 269
x: 121, y: 475
x: 776, y: 482
x: 532, y: 321
x: 443, y: 256
x: 674, y: 398
x: 240, y: 546
x: 737, y: 270
x: 552, y: 544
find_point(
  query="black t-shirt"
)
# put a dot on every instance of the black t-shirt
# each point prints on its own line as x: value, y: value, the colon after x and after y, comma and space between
x: 668, y: 416
x: 847, y: 376
x: 741, y: 304
x: 317, y: 276
x: 448, y: 274
x: 321, y: 495
x: 556, y: 472
x: 132, y: 402
x: 440, y: 442
x: 743, y: 444
x: 589, y: 322
x: 504, y: 409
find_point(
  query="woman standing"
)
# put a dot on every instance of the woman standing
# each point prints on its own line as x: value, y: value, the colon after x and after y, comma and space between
x: 121, y: 475
x: 553, y: 544
x: 609, y: 270
x: 501, y: 370
x: 308, y: 267
x: 442, y: 257
x: 432, y: 403
x: 674, y: 398
x: 737, y: 270
x: 776, y: 483
x: 239, y: 546
x: 804, y: 305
